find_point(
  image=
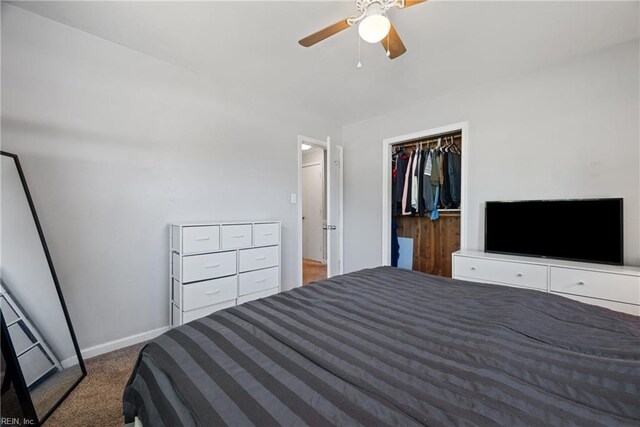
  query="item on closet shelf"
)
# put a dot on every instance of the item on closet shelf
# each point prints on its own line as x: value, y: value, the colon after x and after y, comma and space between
x: 217, y: 265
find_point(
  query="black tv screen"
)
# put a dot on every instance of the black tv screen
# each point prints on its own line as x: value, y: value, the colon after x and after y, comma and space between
x: 587, y: 230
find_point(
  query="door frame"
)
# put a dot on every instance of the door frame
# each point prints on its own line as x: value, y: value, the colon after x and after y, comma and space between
x: 387, y: 143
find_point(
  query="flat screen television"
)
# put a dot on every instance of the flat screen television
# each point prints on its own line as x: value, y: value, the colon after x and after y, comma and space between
x: 587, y: 230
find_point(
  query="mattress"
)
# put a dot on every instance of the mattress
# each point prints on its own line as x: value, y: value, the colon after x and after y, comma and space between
x: 391, y: 347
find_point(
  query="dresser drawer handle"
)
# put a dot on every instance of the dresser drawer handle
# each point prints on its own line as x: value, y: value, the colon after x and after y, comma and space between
x: 473, y: 268
x: 200, y: 239
x: 261, y: 280
x: 581, y: 283
x: 217, y: 291
x: 238, y: 236
x: 519, y: 275
x: 212, y: 266
x: 267, y: 234
x: 261, y: 258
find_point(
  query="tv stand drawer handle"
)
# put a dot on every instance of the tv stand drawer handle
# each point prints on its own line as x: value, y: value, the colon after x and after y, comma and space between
x: 200, y: 239
x: 213, y: 266
x: 238, y: 236
x: 261, y: 280
x: 581, y: 283
x: 217, y: 291
x: 261, y: 258
x: 519, y: 275
x: 473, y: 268
x: 267, y: 234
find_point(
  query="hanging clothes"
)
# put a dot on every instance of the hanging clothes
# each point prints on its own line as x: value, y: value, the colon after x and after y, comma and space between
x: 407, y: 187
x: 427, y: 188
x: 435, y: 182
x: 445, y: 191
x: 421, y: 202
x: 455, y: 178
x: 400, y: 170
x: 414, y: 183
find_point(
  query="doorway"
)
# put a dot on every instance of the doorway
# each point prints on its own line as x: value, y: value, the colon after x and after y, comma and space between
x: 320, y: 248
x: 314, y: 213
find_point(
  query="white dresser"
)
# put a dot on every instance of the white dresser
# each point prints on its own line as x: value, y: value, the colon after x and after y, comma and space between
x: 216, y: 265
x: 613, y: 287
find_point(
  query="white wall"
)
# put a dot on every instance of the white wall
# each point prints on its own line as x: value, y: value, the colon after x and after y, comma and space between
x: 115, y: 145
x: 567, y: 131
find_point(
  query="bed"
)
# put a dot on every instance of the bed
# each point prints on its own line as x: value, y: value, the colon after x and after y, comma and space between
x: 391, y: 347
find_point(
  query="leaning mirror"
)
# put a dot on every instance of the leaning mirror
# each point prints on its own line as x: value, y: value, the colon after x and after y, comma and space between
x: 41, y: 357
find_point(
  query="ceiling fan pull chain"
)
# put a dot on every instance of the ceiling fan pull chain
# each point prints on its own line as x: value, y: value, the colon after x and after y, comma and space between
x: 359, y: 65
x: 388, y: 50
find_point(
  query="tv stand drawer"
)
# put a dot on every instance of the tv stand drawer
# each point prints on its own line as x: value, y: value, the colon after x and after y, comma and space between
x: 595, y: 284
x: 501, y: 272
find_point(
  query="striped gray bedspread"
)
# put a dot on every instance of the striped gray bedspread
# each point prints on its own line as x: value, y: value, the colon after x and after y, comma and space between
x: 390, y: 347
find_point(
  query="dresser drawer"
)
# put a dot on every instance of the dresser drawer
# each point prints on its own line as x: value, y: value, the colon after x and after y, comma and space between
x: 257, y: 295
x: 200, y: 239
x: 611, y: 305
x: 208, y: 266
x: 188, y: 316
x: 258, y: 280
x: 266, y: 234
x: 608, y: 286
x: 254, y: 259
x: 236, y: 236
x: 509, y: 273
x: 209, y: 292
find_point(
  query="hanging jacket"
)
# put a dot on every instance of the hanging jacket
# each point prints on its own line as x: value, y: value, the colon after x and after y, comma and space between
x: 427, y: 188
x: 414, y: 182
x: 445, y: 190
x: 402, y: 161
x: 455, y: 178
x: 407, y: 187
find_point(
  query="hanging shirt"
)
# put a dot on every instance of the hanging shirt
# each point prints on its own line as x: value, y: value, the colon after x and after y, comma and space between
x: 428, y: 165
x: 407, y: 187
x: 435, y: 168
x: 401, y: 170
x: 414, y: 181
x: 434, y: 212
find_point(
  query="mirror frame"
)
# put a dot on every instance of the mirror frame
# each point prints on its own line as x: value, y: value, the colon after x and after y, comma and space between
x: 21, y: 385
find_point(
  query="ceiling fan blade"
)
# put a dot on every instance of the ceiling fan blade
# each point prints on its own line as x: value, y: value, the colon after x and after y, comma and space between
x: 325, y: 33
x: 409, y: 3
x: 394, y: 43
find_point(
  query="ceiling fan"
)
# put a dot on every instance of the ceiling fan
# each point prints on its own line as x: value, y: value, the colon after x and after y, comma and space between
x: 373, y: 25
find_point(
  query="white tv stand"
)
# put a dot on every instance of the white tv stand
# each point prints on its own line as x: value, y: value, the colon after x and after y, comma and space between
x: 613, y: 287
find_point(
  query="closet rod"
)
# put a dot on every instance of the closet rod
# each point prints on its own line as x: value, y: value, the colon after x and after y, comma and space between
x: 428, y: 141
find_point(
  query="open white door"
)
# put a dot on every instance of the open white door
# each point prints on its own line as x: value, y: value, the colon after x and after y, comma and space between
x: 334, y: 222
x: 334, y: 208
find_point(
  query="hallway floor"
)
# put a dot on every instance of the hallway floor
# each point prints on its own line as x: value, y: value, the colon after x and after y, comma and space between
x: 313, y: 271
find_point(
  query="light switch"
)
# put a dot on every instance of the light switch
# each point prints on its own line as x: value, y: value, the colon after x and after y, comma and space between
x: 294, y: 198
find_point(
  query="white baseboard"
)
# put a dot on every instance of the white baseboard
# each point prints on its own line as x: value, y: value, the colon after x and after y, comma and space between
x: 99, y: 349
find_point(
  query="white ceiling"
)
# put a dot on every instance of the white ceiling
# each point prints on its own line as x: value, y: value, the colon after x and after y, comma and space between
x: 250, y: 51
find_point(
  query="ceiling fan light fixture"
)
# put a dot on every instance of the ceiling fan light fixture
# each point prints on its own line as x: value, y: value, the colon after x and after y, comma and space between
x: 374, y: 28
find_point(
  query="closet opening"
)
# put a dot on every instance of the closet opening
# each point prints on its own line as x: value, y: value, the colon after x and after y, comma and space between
x: 314, y: 213
x: 424, y: 200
